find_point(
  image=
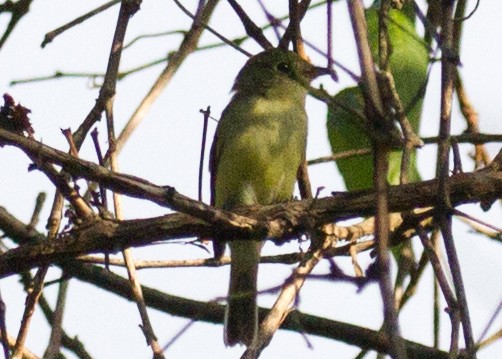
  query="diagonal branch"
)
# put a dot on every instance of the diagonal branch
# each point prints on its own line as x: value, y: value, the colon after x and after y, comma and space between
x: 187, y: 46
x: 253, y: 30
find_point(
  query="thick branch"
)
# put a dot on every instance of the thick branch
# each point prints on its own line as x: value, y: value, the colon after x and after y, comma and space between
x: 278, y: 222
x: 212, y: 312
x: 281, y: 221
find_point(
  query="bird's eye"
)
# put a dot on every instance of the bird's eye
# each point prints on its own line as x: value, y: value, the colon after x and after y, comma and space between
x: 283, y: 67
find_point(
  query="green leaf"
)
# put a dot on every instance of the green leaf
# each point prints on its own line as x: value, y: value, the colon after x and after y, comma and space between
x: 408, y: 63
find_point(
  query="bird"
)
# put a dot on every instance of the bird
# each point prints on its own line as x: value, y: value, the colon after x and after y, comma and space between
x: 258, y: 147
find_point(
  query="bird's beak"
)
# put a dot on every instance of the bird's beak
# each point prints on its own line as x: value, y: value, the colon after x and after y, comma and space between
x: 321, y: 71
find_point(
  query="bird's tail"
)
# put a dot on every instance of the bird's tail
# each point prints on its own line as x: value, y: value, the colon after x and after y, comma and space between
x: 241, y: 317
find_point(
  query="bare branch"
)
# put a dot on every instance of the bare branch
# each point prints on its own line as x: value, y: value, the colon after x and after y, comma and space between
x: 252, y: 29
x: 214, y: 313
x: 51, y: 35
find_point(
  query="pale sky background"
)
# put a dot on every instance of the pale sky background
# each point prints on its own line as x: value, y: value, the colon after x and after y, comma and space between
x: 165, y: 150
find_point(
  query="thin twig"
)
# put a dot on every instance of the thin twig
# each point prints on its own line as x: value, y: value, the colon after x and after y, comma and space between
x: 475, y: 138
x: 468, y: 16
x: 441, y: 279
x: 55, y: 340
x: 444, y: 204
x: 497, y: 311
x: 18, y: 10
x: 178, y: 335
x: 481, y: 229
x: 329, y: 36
x: 457, y: 160
x: 33, y: 296
x: 31, y: 302
x: 146, y: 327
x: 356, y: 11
x: 474, y: 219
x: 430, y: 28
x: 151, y: 36
x: 64, y: 189
x: 39, y: 203
x: 69, y: 138
x: 383, y: 258
x: 11, y: 342
x: 294, y: 29
x: 3, y: 329
x: 284, y: 302
x: 207, y: 115
x: 51, y: 35
x: 127, y: 9
x: 188, y: 45
x: 99, y: 154
x: 415, y: 277
x: 436, y: 295
x: 340, y: 155
x: 55, y: 76
x: 481, y: 156
x: 72, y: 344
x: 273, y: 21
x: 251, y: 28
x: 233, y: 43
x: 296, y: 14
x: 491, y: 339
x: 375, y: 110
x: 438, y: 270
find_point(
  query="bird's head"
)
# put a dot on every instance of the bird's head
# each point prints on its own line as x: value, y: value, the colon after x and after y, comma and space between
x: 276, y: 72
